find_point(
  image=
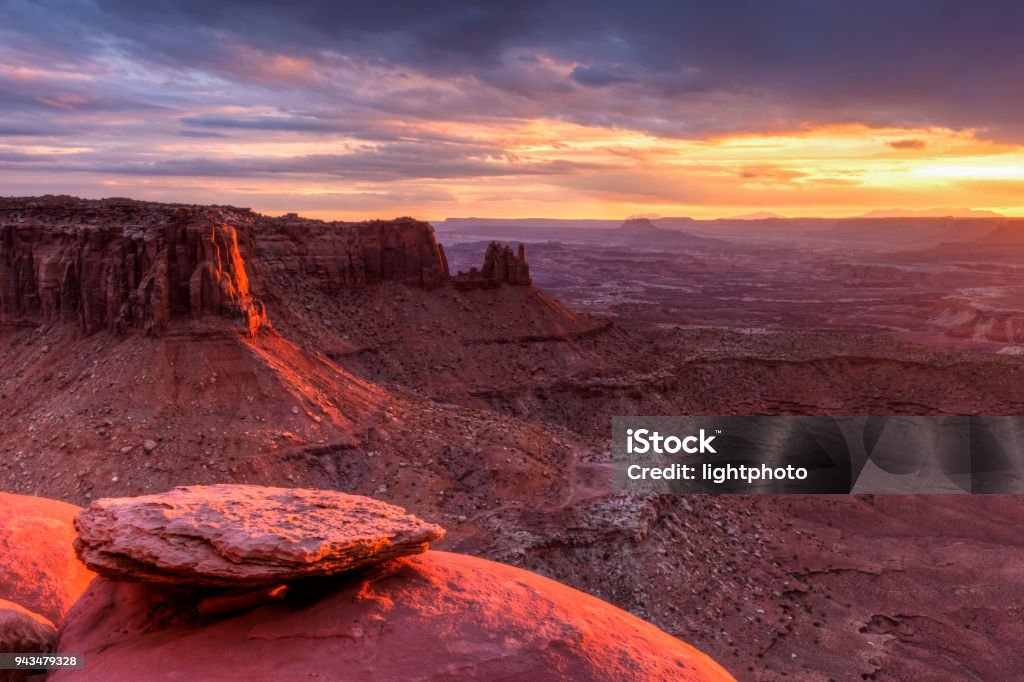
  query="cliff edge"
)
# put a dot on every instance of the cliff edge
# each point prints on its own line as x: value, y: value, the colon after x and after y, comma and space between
x: 122, y: 265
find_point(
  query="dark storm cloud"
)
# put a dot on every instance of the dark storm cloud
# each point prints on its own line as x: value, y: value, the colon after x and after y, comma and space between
x: 916, y: 62
x: 364, y: 166
x: 209, y: 134
x: 24, y: 130
x: 936, y: 61
x: 391, y: 162
x: 596, y: 76
x: 20, y: 157
x: 277, y: 123
x: 325, y: 67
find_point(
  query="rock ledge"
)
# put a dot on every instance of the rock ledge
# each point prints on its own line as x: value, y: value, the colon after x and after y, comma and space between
x: 243, y: 535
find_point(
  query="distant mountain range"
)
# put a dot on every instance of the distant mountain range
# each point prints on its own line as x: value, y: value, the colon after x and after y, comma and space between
x: 641, y: 224
x: 758, y: 215
x: 651, y: 221
x: 930, y: 213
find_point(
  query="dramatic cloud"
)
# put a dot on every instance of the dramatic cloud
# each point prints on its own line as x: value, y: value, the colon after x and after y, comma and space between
x: 907, y: 144
x: 512, y: 105
x: 596, y: 76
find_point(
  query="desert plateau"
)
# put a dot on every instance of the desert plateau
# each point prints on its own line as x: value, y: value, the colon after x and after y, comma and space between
x: 582, y: 341
x: 147, y: 346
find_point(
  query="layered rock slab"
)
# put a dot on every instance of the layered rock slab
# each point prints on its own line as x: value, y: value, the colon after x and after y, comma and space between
x: 437, y: 616
x: 243, y: 535
x: 38, y: 567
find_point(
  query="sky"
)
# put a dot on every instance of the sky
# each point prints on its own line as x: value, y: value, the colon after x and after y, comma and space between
x: 564, y: 109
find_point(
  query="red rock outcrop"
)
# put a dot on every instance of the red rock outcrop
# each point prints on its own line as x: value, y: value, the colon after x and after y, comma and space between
x: 432, y: 617
x: 999, y: 318
x: 121, y: 264
x: 501, y: 266
x: 341, y: 254
x: 244, y: 535
x: 1011, y: 233
x: 38, y: 567
x: 639, y: 225
x: 23, y: 632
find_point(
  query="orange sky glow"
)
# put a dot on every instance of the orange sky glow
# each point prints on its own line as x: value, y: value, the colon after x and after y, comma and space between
x: 613, y: 114
x: 828, y: 171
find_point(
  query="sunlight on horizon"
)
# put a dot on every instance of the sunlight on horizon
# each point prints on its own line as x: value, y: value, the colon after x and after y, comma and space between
x: 556, y: 169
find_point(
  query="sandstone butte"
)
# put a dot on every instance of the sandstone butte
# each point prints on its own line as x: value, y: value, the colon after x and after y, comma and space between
x: 243, y: 535
x: 435, y: 616
x: 119, y: 264
x: 38, y: 567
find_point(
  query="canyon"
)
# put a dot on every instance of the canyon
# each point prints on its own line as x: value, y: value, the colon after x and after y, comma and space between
x: 943, y: 283
x: 144, y: 346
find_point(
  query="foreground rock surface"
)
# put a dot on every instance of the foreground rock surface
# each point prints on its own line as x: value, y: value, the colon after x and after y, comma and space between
x: 243, y: 535
x: 38, y: 567
x: 437, y: 616
x: 22, y: 631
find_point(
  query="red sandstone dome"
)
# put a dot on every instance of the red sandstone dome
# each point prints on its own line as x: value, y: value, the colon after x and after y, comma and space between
x: 437, y: 616
x: 38, y: 567
x: 21, y: 632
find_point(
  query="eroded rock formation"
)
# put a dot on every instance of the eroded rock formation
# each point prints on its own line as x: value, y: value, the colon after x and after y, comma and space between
x: 639, y: 225
x: 120, y: 265
x: 437, y: 616
x: 340, y: 254
x: 432, y: 616
x: 501, y: 265
x: 243, y: 535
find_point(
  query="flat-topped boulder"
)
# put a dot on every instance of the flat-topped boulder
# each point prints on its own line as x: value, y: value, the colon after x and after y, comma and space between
x: 244, y: 535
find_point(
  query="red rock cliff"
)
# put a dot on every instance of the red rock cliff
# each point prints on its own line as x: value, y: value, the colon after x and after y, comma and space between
x: 352, y: 254
x: 120, y: 265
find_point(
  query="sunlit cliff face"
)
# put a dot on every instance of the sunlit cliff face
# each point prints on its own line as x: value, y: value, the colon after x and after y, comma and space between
x: 492, y: 115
